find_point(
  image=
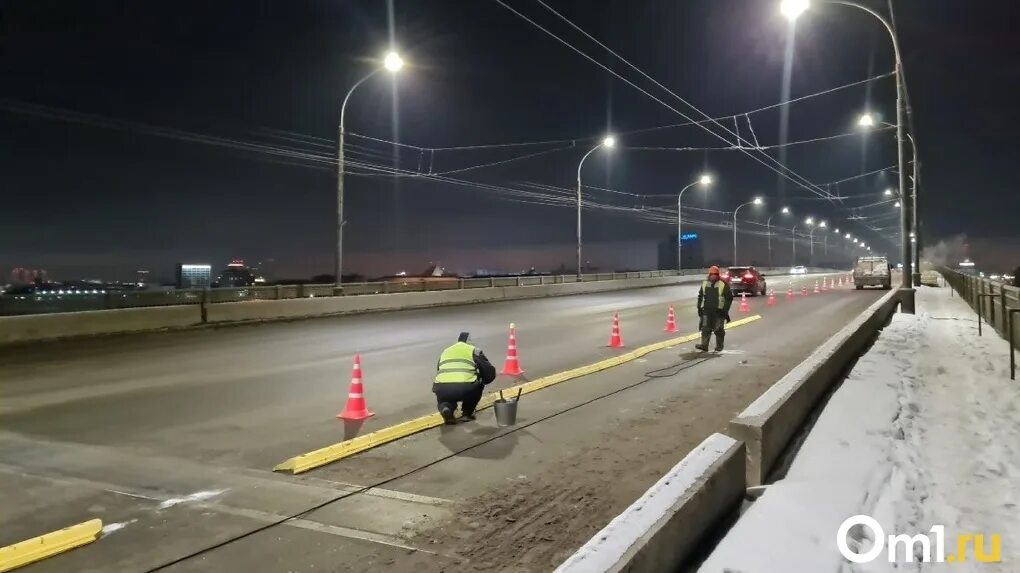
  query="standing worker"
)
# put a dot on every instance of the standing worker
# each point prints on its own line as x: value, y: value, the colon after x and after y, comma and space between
x: 714, y: 300
x: 462, y: 373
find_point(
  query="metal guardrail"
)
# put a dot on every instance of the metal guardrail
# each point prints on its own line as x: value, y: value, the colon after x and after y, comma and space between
x: 72, y: 301
x: 996, y: 304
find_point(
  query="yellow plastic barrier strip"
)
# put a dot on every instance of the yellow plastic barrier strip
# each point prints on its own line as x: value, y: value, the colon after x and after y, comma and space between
x: 329, y: 454
x: 48, y: 545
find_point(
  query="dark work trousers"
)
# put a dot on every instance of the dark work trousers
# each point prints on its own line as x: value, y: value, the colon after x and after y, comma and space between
x: 467, y: 393
x: 713, y: 322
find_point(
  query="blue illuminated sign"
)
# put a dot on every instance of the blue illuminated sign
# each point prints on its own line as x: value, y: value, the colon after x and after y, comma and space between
x: 689, y: 237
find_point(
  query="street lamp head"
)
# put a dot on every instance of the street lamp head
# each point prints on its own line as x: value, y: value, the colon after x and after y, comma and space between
x: 822, y: 224
x: 866, y: 120
x: 786, y: 210
x: 393, y: 62
x: 705, y: 179
x: 897, y: 204
x: 836, y: 231
x: 849, y: 236
x: 809, y: 221
x: 758, y: 201
x: 791, y: 9
x: 609, y: 141
x: 889, y: 192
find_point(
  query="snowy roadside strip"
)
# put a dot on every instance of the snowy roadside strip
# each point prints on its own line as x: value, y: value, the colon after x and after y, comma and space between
x: 922, y: 433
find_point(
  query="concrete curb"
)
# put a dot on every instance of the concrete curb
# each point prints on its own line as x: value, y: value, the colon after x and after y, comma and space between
x: 767, y: 424
x: 48, y: 545
x: 659, y: 530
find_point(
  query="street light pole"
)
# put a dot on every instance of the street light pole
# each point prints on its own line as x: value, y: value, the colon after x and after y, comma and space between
x: 704, y: 180
x: 755, y: 201
x: 793, y: 239
x: 768, y: 231
x: 393, y: 63
x: 792, y: 9
x: 609, y: 141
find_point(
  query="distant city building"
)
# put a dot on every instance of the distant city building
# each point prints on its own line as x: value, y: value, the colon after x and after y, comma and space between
x: 693, y: 252
x: 235, y: 275
x: 191, y: 275
x: 22, y: 276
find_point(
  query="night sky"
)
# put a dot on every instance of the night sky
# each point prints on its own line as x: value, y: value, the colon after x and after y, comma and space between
x: 116, y: 118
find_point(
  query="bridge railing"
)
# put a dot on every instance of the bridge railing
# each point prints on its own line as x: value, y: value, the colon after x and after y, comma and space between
x: 991, y: 300
x: 70, y: 300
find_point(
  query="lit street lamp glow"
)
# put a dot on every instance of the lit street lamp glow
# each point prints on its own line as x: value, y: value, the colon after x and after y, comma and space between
x: 393, y: 62
x: 866, y: 120
x: 822, y: 224
x: 897, y: 204
x: 888, y: 192
x: 849, y: 236
x: 785, y: 211
x: 609, y: 141
x: 792, y: 9
x: 705, y: 179
x: 758, y: 201
x: 810, y: 221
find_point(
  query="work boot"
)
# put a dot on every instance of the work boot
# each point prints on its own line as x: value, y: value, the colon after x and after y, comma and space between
x: 702, y: 347
x: 719, y: 342
x: 468, y: 416
x: 447, y: 413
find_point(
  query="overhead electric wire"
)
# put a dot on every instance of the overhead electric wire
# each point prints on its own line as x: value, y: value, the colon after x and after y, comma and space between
x: 783, y: 170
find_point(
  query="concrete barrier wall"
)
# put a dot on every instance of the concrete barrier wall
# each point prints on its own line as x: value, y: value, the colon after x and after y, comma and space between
x: 14, y: 329
x: 767, y: 425
x: 26, y: 328
x: 659, y: 531
x: 324, y: 306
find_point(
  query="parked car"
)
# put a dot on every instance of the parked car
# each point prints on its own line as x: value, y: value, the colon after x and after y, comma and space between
x: 745, y: 279
x: 798, y: 270
x: 872, y: 271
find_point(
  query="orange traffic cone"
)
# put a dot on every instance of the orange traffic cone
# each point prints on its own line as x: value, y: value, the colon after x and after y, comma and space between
x: 840, y: 280
x: 670, y: 320
x: 789, y: 293
x: 614, y: 340
x: 512, y: 366
x: 772, y: 297
x: 816, y: 287
x: 744, y: 307
x: 803, y: 291
x: 355, y: 408
x: 825, y: 285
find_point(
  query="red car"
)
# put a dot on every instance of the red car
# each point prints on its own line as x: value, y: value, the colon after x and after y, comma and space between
x: 745, y: 279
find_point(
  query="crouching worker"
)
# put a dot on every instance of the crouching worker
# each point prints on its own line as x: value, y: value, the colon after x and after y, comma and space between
x: 461, y: 375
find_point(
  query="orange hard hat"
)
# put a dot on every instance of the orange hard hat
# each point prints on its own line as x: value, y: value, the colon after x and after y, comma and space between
x: 713, y: 270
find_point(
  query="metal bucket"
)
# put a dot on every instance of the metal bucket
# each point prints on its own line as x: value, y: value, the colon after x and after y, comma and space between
x: 506, y: 412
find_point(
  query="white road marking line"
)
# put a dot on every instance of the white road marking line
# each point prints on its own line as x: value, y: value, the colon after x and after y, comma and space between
x: 310, y: 525
x: 379, y: 492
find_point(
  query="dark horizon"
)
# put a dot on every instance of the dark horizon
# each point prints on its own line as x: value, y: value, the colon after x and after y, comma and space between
x: 94, y: 182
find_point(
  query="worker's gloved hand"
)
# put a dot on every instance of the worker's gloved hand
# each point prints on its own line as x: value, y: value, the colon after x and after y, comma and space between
x: 726, y: 315
x: 701, y: 313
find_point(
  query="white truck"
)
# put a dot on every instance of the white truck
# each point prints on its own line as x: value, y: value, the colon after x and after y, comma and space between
x: 872, y: 271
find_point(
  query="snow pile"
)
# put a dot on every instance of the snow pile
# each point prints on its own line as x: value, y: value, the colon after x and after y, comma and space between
x: 608, y: 545
x: 925, y: 431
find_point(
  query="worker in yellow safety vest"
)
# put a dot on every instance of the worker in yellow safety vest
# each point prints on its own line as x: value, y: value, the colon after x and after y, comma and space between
x: 461, y: 374
x: 714, y: 300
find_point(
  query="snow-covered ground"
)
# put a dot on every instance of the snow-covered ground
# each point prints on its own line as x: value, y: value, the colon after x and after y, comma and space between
x: 925, y: 431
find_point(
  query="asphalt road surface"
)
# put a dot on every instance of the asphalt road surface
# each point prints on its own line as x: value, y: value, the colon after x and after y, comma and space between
x: 171, y: 437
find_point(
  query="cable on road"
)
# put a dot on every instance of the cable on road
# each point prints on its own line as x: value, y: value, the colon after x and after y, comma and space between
x: 648, y: 376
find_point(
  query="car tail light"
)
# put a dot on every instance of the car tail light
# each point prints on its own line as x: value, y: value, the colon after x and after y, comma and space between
x: 748, y: 276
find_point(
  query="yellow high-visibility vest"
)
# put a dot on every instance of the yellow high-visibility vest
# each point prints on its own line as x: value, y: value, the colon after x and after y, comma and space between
x: 457, y: 365
x: 720, y: 285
